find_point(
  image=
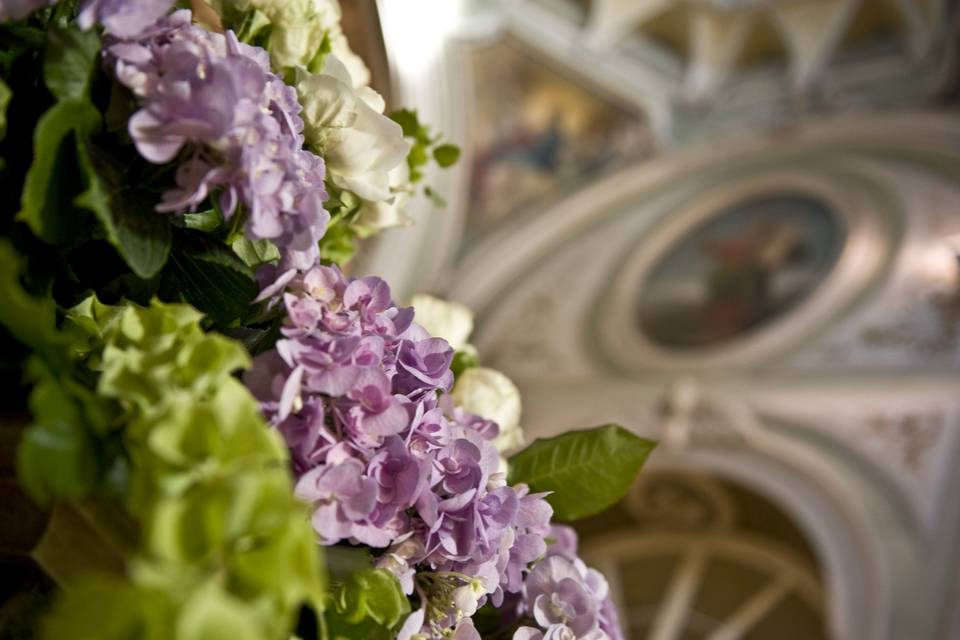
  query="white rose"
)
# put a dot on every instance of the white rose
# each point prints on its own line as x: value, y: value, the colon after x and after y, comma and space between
x: 442, y: 319
x: 492, y: 395
x: 360, y: 145
x: 297, y: 30
x: 393, y: 211
x: 354, y: 63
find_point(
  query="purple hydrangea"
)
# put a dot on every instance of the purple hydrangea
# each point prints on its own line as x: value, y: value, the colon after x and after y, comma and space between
x: 567, y: 599
x: 359, y: 391
x: 213, y: 104
x: 123, y: 18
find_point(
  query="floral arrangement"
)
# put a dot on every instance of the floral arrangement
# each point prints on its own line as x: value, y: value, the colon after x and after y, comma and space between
x: 196, y: 187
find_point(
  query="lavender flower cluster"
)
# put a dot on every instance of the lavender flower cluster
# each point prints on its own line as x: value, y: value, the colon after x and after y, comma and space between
x: 237, y: 125
x: 568, y: 600
x: 359, y: 391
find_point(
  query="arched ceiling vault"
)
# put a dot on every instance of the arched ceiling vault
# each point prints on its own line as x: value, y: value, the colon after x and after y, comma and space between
x: 717, y: 38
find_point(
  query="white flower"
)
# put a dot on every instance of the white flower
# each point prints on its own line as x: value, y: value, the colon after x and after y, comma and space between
x: 492, y: 395
x: 392, y: 212
x: 298, y: 29
x: 347, y: 127
x: 442, y: 319
x: 466, y: 599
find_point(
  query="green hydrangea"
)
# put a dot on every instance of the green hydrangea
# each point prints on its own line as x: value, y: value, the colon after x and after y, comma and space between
x: 225, y: 549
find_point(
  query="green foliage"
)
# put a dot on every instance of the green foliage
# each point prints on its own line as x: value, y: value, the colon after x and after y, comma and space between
x: 211, y: 277
x: 54, y: 178
x: 134, y: 612
x: 369, y: 604
x: 150, y: 352
x: 30, y: 319
x: 445, y: 155
x: 5, y: 95
x: 588, y: 471
x: 226, y: 548
x: 255, y: 252
x: 209, y: 220
x: 56, y: 457
x: 339, y: 244
x: 140, y: 234
x: 69, y: 59
x: 463, y: 360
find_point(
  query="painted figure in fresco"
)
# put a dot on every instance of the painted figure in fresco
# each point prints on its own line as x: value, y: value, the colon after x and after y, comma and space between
x: 740, y: 294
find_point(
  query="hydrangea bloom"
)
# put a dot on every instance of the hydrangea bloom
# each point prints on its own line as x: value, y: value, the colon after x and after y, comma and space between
x: 123, y: 18
x: 235, y: 125
x: 567, y: 599
x: 360, y: 392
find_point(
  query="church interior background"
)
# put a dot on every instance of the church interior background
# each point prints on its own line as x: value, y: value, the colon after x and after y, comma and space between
x: 733, y: 226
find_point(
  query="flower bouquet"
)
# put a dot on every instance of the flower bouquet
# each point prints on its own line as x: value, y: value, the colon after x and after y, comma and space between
x: 268, y: 446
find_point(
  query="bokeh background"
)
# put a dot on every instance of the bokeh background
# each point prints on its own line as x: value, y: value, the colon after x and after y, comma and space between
x: 733, y: 226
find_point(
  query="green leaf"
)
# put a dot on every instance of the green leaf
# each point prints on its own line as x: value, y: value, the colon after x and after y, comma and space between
x: 587, y: 471
x: 339, y: 244
x: 437, y: 200
x: 446, y: 155
x: 211, y: 613
x: 141, y: 235
x: 5, y: 95
x: 342, y: 561
x: 408, y: 121
x: 255, y: 253
x: 208, y: 220
x: 369, y: 604
x: 54, y: 177
x: 31, y: 320
x: 56, y: 456
x: 69, y: 58
x: 133, y: 612
x: 463, y: 360
x: 212, y: 277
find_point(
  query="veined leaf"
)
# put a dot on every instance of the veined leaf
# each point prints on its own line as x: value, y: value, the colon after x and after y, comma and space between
x: 211, y: 276
x: 69, y: 58
x: 255, y: 253
x: 141, y: 235
x: 587, y: 471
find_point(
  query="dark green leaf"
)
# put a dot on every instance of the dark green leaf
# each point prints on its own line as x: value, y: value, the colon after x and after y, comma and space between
x: 587, y: 471
x: 140, y: 234
x: 446, y: 155
x: 5, y: 95
x: 211, y: 277
x: 29, y: 319
x: 54, y: 177
x: 69, y: 58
